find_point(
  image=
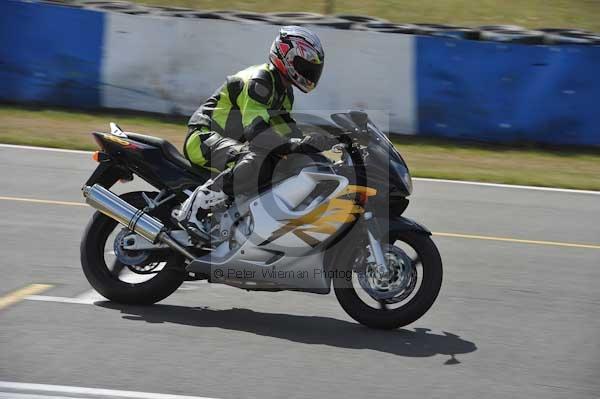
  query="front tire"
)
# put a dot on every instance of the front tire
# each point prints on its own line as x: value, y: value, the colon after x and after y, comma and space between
x: 383, y: 318
x: 106, y: 282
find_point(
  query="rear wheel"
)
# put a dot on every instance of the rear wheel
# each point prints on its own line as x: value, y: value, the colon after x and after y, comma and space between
x: 152, y: 280
x: 396, y: 296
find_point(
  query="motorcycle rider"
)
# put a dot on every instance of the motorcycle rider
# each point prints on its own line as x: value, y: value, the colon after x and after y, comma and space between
x: 246, y: 124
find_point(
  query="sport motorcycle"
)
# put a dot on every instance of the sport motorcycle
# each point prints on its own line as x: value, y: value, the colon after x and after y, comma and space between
x: 322, y: 220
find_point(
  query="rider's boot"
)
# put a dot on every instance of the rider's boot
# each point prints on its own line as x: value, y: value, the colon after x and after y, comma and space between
x: 203, y: 198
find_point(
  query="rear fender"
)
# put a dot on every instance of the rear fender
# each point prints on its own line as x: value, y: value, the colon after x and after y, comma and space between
x: 107, y: 174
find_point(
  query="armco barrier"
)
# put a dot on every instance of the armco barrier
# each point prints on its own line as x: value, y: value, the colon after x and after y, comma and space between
x: 429, y: 85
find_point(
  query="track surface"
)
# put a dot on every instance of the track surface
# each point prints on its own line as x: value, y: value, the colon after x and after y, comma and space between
x: 512, y: 320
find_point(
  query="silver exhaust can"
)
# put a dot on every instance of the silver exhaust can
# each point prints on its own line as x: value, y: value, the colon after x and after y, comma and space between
x: 129, y: 216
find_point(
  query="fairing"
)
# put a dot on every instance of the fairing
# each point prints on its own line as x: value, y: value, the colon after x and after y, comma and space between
x: 385, y: 167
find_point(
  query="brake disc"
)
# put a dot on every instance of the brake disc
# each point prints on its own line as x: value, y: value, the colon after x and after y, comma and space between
x: 393, y: 282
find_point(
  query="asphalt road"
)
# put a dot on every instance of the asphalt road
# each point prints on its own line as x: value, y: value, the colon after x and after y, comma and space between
x: 513, y: 319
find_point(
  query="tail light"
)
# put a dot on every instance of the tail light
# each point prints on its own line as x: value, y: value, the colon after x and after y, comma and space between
x: 100, y: 156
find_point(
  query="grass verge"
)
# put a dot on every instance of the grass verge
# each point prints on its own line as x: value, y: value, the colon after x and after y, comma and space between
x: 571, y: 168
x: 582, y: 14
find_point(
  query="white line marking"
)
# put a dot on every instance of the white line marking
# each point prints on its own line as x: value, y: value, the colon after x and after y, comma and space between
x: 59, y: 299
x: 13, y: 395
x: 473, y: 183
x: 28, y: 147
x: 63, y: 389
x: 90, y: 296
x: 87, y: 298
x: 499, y: 185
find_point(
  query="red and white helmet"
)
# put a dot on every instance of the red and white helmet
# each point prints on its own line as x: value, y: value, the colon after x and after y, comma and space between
x: 298, y: 54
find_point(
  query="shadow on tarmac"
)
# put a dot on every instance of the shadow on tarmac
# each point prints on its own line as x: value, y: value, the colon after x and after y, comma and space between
x: 304, y: 329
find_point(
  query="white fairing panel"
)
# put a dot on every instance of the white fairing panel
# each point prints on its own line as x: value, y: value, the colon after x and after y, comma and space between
x: 274, y: 213
x: 284, y: 248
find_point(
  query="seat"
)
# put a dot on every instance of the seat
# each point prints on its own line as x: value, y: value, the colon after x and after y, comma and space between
x: 170, y: 152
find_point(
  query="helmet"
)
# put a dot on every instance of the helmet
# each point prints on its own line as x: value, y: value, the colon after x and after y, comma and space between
x: 298, y: 55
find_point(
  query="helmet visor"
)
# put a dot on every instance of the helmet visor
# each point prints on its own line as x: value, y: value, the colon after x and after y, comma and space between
x: 309, y: 70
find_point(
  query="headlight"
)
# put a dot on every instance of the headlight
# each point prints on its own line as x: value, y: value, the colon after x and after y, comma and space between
x: 407, y: 180
x: 402, y: 175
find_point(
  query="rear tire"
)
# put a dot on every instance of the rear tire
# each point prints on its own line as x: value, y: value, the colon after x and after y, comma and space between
x: 163, y: 284
x: 415, y: 307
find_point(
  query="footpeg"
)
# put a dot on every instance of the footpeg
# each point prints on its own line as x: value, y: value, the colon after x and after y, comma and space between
x: 195, y: 232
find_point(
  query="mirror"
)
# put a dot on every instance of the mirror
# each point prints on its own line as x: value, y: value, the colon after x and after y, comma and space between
x: 344, y: 120
x: 360, y: 118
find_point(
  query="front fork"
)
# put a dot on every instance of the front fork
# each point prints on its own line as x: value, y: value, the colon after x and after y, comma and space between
x: 374, y: 244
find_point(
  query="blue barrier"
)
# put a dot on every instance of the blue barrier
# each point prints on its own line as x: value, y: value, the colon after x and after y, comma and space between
x: 50, y: 54
x: 508, y: 92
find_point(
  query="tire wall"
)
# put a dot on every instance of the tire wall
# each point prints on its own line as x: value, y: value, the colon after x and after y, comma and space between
x: 428, y: 85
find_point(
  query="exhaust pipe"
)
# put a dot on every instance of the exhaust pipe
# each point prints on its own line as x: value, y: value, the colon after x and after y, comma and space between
x: 126, y: 214
x: 131, y: 217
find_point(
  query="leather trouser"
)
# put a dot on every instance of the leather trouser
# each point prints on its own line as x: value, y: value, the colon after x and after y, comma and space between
x: 253, y: 170
x: 250, y: 169
x: 210, y: 150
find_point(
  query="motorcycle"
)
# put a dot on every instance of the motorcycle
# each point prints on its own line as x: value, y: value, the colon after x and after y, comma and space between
x: 320, y: 222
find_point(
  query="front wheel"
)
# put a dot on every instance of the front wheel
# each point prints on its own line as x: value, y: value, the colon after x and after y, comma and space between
x: 152, y: 279
x: 396, y: 296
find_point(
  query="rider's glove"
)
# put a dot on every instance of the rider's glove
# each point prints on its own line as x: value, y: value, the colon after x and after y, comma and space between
x: 313, y: 143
